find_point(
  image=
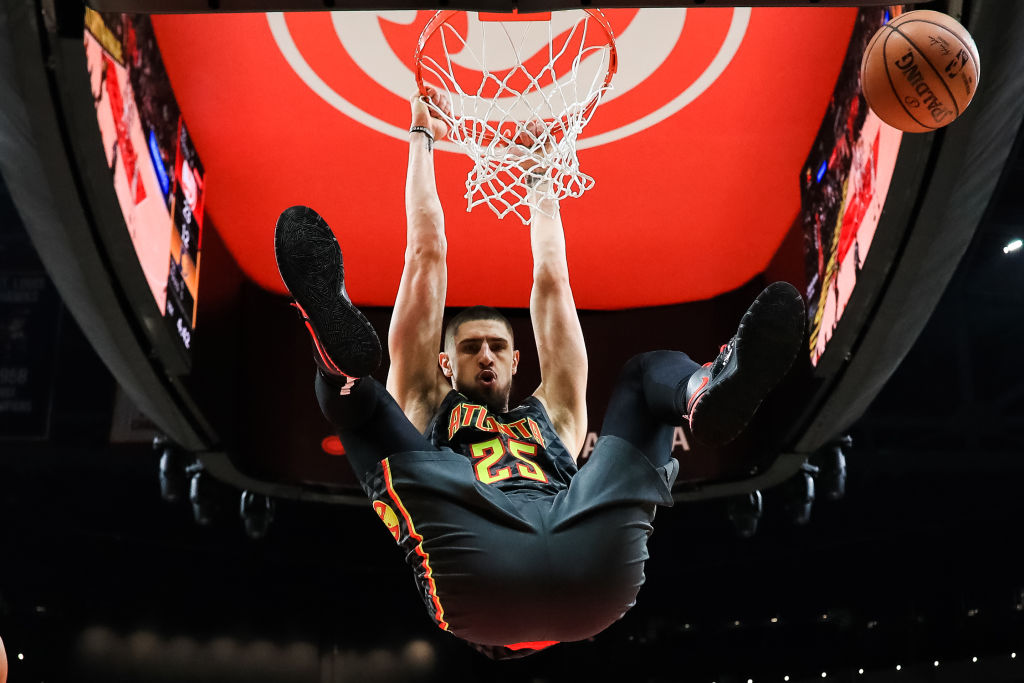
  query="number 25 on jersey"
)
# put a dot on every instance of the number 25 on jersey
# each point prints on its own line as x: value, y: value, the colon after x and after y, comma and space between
x: 487, y: 454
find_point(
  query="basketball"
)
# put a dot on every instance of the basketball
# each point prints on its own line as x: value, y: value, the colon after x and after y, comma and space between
x: 920, y: 71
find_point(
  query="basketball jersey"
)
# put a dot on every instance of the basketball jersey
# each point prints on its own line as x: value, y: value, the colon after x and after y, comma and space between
x: 516, y: 450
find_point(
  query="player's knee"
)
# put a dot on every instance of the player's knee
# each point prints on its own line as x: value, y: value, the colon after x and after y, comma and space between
x: 634, y: 368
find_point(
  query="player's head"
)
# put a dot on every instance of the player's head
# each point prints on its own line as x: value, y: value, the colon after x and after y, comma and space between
x: 479, y: 356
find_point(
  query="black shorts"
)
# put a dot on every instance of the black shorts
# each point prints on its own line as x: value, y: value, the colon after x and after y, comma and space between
x: 496, y: 567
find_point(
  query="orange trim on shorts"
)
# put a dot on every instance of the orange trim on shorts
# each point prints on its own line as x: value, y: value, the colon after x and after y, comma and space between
x: 428, y: 573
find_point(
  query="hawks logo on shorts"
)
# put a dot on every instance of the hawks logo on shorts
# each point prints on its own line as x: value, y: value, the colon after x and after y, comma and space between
x: 388, y: 516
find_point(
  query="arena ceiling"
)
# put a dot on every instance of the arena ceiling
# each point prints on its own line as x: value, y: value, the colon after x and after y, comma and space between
x: 696, y: 156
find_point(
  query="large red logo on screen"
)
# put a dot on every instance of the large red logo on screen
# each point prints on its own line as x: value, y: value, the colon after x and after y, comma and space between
x: 361, y: 63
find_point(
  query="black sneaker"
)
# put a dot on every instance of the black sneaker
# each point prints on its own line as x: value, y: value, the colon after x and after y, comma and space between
x: 723, y: 396
x: 309, y: 259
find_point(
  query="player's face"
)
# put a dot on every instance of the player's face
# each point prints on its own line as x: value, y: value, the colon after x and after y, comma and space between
x: 483, y: 362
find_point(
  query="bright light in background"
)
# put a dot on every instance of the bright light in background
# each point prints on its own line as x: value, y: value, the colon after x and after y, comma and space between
x: 419, y: 654
x: 1015, y: 245
x: 974, y: 659
x: 899, y: 667
x: 935, y: 663
x: 20, y: 656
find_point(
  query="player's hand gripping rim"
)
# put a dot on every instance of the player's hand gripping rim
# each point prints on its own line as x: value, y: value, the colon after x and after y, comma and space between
x: 430, y: 109
x: 531, y: 151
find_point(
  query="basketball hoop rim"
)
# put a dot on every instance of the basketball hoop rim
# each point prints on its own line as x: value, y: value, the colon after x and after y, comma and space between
x: 441, y: 17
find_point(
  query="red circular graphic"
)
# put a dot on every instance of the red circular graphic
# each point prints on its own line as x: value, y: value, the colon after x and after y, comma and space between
x: 689, y: 207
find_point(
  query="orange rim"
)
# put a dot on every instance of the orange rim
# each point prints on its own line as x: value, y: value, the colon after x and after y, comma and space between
x: 441, y: 17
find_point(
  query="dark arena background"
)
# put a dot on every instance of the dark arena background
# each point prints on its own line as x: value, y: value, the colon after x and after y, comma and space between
x: 173, y: 507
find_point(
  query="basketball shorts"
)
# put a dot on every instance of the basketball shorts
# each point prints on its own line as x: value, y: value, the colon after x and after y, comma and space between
x: 501, y: 567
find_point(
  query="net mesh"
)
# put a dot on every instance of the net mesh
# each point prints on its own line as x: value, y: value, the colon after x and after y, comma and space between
x: 521, y: 92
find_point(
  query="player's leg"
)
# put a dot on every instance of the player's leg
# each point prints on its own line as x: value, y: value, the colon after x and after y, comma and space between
x: 346, y: 348
x: 723, y: 395
x: 602, y: 522
x: 648, y: 401
x: 662, y: 388
x: 368, y: 421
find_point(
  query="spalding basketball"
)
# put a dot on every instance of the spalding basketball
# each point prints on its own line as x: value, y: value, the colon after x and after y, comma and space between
x: 920, y: 71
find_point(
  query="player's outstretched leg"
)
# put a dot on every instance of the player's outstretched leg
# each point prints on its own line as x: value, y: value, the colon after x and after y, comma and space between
x: 722, y: 396
x: 309, y: 259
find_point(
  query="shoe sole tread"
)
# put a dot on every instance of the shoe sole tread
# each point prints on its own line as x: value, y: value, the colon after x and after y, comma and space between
x: 311, y: 266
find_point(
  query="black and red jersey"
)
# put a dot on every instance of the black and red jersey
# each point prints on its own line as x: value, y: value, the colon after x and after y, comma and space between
x: 515, y: 450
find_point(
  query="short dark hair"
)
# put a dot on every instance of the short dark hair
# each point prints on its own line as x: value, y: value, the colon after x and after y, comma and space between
x: 474, y: 313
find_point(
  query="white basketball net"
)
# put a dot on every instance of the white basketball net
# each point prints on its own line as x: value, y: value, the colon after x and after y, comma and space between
x: 502, y: 75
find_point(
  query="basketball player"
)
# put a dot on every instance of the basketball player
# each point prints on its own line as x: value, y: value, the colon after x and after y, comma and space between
x: 512, y: 546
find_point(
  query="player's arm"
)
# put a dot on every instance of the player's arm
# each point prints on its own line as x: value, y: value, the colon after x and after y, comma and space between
x: 556, y: 326
x: 414, y: 379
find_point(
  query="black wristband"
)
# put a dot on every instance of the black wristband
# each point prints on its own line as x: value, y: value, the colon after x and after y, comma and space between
x: 425, y: 131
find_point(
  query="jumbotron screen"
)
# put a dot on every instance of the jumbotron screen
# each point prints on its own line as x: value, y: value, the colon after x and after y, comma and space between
x: 155, y: 170
x: 843, y: 186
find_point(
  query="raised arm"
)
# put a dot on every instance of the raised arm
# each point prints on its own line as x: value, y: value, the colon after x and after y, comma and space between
x: 556, y: 326
x: 414, y: 338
